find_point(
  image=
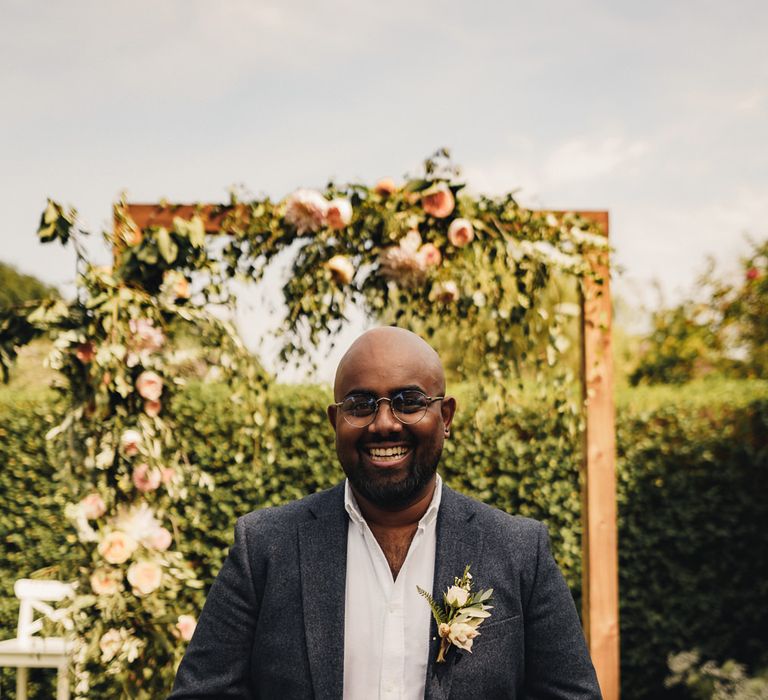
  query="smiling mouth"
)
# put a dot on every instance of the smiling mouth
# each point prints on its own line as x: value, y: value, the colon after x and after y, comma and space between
x: 387, y: 454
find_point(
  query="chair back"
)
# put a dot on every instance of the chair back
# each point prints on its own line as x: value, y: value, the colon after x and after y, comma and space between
x: 34, y: 597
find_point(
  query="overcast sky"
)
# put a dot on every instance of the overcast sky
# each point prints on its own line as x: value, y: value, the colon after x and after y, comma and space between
x: 656, y: 111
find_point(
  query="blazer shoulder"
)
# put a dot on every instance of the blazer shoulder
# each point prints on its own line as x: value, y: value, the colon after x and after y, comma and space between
x: 310, y: 507
x: 491, y: 518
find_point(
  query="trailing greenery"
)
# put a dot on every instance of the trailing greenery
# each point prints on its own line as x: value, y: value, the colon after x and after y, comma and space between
x: 17, y: 288
x: 693, y: 472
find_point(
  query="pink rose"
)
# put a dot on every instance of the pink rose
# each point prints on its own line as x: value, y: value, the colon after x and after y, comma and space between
x: 339, y: 213
x: 385, y: 187
x: 444, y: 292
x: 438, y: 202
x: 341, y: 268
x: 146, y: 479
x: 152, y: 408
x: 145, y: 335
x: 167, y: 475
x: 461, y: 232
x: 106, y: 581
x: 186, y: 626
x: 130, y: 441
x: 85, y: 352
x: 753, y: 273
x: 117, y: 547
x: 160, y: 539
x: 144, y: 577
x: 149, y: 385
x: 93, y: 506
x: 305, y: 209
x: 430, y: 255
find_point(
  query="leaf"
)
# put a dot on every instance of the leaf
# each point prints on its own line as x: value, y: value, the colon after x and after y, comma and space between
x: 168, y: 249
x: 437, y: 612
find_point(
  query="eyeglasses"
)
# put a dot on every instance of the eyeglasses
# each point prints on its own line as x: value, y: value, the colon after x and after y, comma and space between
x: 408, y: 406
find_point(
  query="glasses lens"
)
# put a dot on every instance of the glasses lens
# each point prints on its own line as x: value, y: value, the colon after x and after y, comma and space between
x: 409, y: 406
x: 358, y: 409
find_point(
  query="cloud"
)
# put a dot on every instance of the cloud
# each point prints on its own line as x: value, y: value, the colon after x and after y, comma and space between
x: 584, y: 159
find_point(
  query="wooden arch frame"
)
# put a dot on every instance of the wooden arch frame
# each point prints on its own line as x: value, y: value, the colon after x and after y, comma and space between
x: 600, y: 588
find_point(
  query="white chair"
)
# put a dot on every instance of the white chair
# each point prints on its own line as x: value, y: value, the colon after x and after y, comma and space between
x: 28, y: 651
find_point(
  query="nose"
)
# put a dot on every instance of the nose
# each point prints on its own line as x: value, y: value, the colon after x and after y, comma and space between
x: 384, y: 421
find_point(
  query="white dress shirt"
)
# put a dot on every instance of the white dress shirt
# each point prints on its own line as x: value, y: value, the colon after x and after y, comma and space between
x: 386, y: 622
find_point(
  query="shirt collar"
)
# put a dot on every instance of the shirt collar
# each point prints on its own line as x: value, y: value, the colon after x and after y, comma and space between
x: 353, y: 510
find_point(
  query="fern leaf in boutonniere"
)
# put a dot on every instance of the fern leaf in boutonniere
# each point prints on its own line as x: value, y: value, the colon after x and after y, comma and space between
x: 460, y: 615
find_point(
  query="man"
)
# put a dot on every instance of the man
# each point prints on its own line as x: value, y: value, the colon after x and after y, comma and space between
x: 318, y: 598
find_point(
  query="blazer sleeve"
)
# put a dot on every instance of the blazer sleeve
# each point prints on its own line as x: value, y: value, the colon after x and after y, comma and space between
x: 217, y: 663
x: 557, y: 663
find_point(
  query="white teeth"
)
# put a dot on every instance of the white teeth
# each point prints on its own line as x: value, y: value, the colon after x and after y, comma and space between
x: 387, y: 452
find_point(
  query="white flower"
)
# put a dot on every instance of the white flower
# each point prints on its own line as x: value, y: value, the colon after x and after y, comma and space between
x: 130, y: 441
x: 411, y: 241
x: 145, y: 577
x: 186, y: 626
x: 461, y: 232
x: 456, y: 596
x: 106, y: 581
x: 117, y: 547
x: 339, y: 213
x: 444, y: 292
x: 341, y: 269
x: 161, y: 539
x: 111, y: 643
x: 306, y: 209
x: 149, y: 385
x: 138, y: 522
x: 93, y: 506
x: 462, y: 635
x: 145, y: 335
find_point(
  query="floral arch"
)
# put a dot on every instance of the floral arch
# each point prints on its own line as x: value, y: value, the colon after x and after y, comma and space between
x: 424, y: 247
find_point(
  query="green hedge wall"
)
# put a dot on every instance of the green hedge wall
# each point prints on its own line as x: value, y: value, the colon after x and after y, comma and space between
x: 693, y: 472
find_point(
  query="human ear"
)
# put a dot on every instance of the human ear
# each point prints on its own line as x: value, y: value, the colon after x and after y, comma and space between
x: 332, y: 410
x: 448, y: 409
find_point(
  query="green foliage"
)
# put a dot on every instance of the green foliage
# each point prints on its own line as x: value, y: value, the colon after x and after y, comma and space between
x: 693, y: 466
x: 725, y: 334
x: 709, y: 681
x: 17, y: 288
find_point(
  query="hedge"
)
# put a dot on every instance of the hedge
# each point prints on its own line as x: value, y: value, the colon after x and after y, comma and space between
x: 693, y: 472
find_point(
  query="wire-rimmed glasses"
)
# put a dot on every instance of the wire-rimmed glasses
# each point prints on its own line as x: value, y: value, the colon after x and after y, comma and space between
x: 408, y: 406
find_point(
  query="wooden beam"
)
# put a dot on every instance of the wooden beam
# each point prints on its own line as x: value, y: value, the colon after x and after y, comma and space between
x: 600, y: 589
x: 600, y: 606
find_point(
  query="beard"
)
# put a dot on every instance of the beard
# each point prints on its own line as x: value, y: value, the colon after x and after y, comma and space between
x: 386, y: 490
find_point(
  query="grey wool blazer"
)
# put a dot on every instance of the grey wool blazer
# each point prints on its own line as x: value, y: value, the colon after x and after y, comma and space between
x: 273, y: 622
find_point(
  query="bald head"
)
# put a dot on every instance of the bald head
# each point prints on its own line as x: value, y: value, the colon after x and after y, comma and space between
x: 394, y: 349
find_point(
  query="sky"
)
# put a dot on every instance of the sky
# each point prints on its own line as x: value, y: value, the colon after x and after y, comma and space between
x: 656, y: 111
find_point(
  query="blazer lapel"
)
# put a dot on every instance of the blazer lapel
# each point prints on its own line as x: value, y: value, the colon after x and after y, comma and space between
x: 323, y: 566
x: 459, y: 542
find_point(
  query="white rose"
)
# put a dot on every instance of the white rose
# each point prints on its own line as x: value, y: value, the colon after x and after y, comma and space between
x: 305, y: 209
x: 160, y: 539
x: 106, y: 581
x: 149, y: 385
x: 461, y: 232
x: 339, y: 213
x: 93, y: 506
x: 341, y: 269
x: 462, y: 635
x: 130, y: 441
x: 110, y: 644
x: 186, y: 626
x: 456, y: 596
x: 117, y: 547
x: 144, y: 577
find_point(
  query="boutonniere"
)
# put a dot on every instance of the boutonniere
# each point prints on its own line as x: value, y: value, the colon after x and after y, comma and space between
x: 460, y: 615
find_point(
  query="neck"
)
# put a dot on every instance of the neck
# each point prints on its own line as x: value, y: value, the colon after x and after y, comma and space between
x: 402, y: 517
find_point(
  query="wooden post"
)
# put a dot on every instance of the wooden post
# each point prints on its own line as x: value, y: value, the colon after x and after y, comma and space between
x: 600, y: 589
x: 600, y: 608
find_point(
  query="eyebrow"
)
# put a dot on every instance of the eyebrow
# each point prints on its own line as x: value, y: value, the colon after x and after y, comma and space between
x: 371, y: 392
